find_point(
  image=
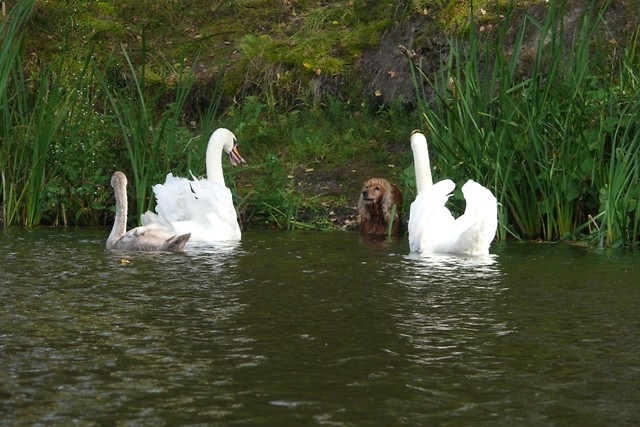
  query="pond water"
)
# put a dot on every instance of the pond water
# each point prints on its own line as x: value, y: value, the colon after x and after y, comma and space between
x: 315, y: 329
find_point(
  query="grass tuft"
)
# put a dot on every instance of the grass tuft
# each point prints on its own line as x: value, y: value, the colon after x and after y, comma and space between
x: 558, y: 146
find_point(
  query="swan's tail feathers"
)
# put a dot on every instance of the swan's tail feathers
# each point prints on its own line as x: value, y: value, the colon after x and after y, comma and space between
x: 173, y: 198
x: 176, y: 243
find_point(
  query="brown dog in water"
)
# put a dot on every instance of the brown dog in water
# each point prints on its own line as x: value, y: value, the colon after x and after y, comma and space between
x: 374, y: 207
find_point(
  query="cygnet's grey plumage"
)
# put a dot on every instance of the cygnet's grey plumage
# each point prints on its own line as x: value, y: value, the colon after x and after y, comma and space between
x: 145, y: 238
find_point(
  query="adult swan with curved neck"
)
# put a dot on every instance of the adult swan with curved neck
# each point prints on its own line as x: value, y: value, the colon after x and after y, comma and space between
x: 146, y: 238
x: 202, y: 207
x: 432, y: 228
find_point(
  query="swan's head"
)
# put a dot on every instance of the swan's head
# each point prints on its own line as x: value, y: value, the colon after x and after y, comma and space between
x: 417, y: 139
x: 229, y: 145
x: 118, y: 180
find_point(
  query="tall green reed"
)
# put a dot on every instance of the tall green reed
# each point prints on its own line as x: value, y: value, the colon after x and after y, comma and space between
x: 541, y: 138
x: 13, y: 155
x: 33, y: 110
x: 149, y: 137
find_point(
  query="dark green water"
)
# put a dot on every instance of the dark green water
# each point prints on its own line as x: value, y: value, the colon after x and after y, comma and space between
x: 315, y: 329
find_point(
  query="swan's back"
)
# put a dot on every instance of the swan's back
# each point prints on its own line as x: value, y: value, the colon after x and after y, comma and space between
x: 429, y: 219
x: 432, y: 228
x: 200, y: 206
x: 174, y: 198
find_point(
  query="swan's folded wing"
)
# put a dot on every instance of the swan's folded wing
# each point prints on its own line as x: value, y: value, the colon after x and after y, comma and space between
x: 215, y: 211
x: 477, y: 227
x: 213, y: 198
x: 174, y: 198
x: 429, y: 219
x: 151, y: 238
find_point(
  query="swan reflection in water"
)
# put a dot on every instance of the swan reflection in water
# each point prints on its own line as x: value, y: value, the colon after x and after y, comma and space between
x: 220, y: 258
x: 451, y: 313
x: 459, y: 267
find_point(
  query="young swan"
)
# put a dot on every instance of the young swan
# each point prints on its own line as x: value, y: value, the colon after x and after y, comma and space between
x: 145, y: 238
x: 375, y: 206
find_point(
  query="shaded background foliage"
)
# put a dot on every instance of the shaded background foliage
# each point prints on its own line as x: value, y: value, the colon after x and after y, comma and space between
x: 323, y: 95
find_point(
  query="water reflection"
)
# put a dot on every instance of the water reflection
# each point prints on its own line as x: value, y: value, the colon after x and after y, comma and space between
x: 453, y: 267
x: 451, y: 312
x: 313, y: 328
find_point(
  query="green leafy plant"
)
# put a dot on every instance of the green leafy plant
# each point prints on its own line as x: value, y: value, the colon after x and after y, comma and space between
x: 149, y: 138
x: 556, y: 144
x: 34, y: 110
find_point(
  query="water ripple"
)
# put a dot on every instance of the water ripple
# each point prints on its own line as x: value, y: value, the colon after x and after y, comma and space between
x: 313, y: 328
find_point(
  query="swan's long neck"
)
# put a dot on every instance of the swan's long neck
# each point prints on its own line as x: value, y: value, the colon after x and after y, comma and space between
x: 214, y: 158
x: 421, y: 162
x: 120, y: 222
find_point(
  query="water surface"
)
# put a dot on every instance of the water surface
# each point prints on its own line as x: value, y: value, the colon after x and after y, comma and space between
x: 315, y: 329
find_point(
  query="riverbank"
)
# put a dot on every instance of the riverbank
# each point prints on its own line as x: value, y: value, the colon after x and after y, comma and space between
x: 321, y: 98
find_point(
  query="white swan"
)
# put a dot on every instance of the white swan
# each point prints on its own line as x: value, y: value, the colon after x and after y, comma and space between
x: 146, y: 238
x: 202, y: 207
x: 432, y: 228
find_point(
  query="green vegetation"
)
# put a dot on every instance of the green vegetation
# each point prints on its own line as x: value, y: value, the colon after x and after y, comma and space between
x: 553, y: 132
x: 150, y: 139
x: 559, y: 144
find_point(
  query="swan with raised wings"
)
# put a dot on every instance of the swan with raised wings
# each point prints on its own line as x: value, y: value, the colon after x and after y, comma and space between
x: 432, y: 227
x: 145, y: 238
x: 202, y: 207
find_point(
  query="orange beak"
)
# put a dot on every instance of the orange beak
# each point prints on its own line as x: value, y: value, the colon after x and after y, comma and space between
x: 235, y: 158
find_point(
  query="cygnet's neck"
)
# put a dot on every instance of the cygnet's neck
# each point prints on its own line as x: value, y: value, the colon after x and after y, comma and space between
x: 120, y: 221
x: 421, y: 162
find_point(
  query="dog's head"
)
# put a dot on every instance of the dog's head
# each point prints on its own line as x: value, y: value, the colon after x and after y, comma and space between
x: 376, y: 199
x: 374, y: 191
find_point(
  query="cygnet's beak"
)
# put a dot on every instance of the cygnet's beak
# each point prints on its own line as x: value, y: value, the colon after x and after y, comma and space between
x: 235, y: 158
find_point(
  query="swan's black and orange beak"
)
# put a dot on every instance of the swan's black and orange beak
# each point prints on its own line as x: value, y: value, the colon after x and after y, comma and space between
x: 234, y: 156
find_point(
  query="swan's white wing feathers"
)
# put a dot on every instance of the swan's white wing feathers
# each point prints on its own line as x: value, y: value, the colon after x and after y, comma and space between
x: 476, y: 228
x: 215, y: 204
x: 432, y: 228
x: 199, y: 206
x: 173, y: 198
x: 428, y: 216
